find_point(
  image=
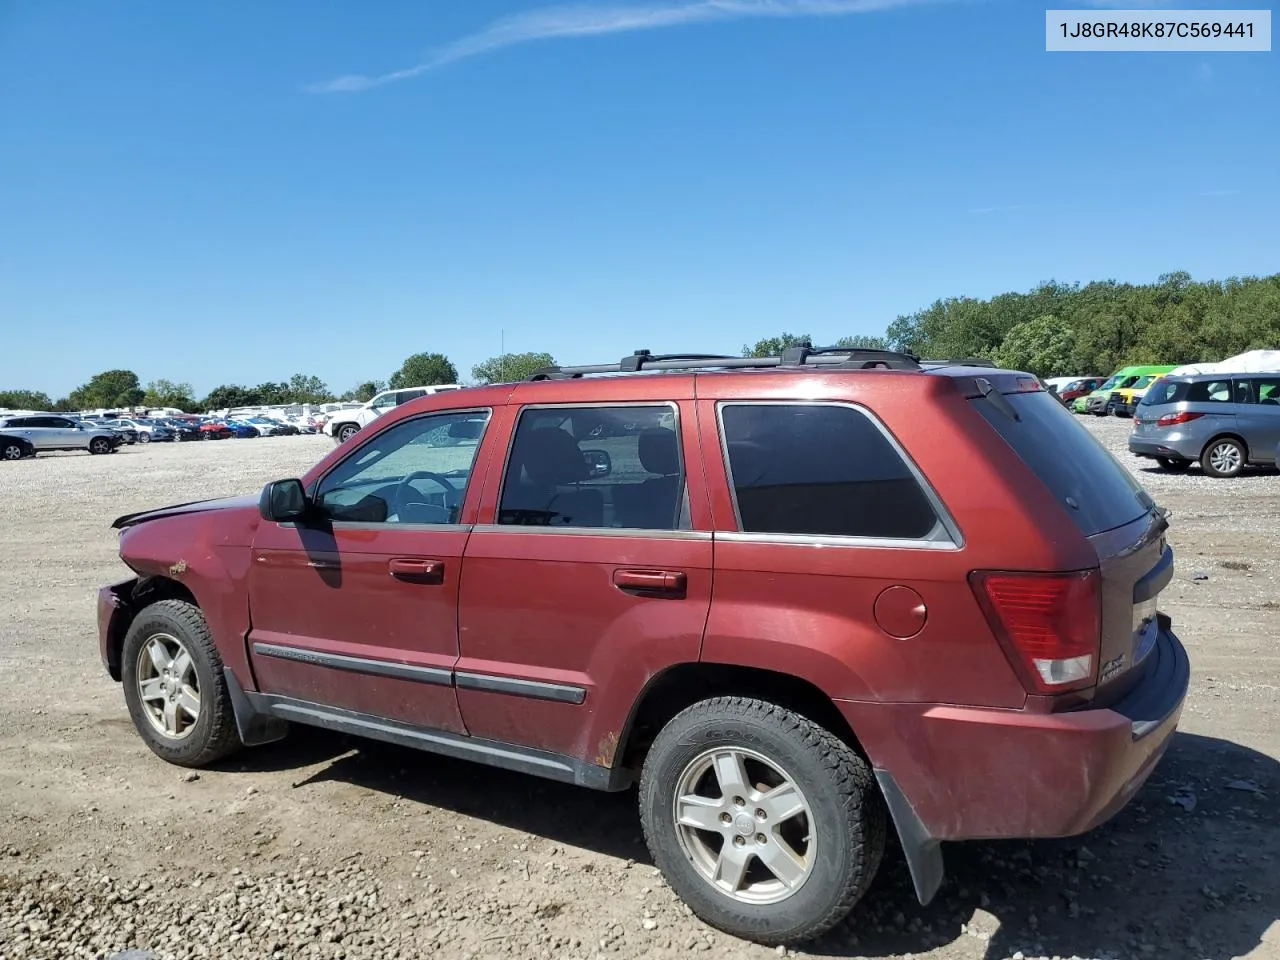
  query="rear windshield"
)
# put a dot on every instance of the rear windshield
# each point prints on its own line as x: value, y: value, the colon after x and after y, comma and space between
x: 1096, y: 490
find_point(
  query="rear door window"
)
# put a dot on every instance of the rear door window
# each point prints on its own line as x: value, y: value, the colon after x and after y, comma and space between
x: 1097, y: 492
x: 822, y: 470
x: 1211, y: 391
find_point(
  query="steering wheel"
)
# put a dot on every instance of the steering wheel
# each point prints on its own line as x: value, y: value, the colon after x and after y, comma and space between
x: 404, y: 490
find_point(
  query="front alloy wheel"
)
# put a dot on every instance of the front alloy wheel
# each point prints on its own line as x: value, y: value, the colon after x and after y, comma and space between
x: 168, y: 686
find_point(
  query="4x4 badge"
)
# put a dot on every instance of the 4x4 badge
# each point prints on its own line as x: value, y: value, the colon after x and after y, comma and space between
x: 1111, y: 668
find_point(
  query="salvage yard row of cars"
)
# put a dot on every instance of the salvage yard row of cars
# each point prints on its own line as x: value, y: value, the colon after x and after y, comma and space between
x: 1224, y: 415
x: 25, y: 435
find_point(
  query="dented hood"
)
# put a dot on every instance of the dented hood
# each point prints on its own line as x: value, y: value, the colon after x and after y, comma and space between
x: 196, y: 506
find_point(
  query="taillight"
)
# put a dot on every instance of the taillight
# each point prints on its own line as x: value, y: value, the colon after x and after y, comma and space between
x: 1173, y: 419
x: 1049, y: 624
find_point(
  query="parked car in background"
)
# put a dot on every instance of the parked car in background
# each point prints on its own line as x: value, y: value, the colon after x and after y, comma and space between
x: 14, y: 447
x: 50, y: 432
x: 242, y: 429
x: 215, y: 430
x: 183, y: 430
x: 1080, y: 387
x: 1099, y: 401
x: 1125, y: 400
x: 146, y: 429
x: 1225, y: 421
x: 127, y: 435
x: 935, y: 609
x: 1054, y: 384
x: 342, y: 425
x: 265, y: 426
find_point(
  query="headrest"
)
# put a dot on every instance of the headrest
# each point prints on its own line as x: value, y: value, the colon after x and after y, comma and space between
x: 660, y: 451
x: 550, y: 456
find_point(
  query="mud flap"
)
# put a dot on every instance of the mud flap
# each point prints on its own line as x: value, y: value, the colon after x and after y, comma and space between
x: 254, y: 726
x: 923, y: 852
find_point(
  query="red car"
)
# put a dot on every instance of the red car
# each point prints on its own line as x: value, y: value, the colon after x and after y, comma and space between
x: 798, y: 600
x: 215, y: 430
x: 1080, y: 388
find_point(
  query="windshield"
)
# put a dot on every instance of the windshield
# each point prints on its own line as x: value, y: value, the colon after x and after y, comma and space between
x: 1082, y: 475
x: 1111, y: 382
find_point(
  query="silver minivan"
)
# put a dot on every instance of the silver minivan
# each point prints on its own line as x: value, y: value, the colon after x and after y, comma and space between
x: 1223, y: 420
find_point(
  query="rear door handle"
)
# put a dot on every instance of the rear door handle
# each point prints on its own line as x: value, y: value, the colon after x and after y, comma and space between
x: 417, y: 570
x: 666, y: 583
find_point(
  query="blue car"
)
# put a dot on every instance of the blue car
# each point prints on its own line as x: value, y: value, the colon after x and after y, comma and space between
x: 242, y: 429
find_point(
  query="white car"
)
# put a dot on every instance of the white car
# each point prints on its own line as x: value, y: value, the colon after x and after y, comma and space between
x: 48, y: 432
x: 342, y: 425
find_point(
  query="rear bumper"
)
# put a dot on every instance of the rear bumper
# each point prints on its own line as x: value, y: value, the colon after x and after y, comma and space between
x: 969, y: 773
x: 1163, y: 447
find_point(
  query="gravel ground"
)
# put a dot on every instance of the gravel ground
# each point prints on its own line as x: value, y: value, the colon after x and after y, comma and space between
x: 327, y: 847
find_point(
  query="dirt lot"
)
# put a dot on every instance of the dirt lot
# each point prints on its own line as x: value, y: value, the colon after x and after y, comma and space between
x: 327, y: 847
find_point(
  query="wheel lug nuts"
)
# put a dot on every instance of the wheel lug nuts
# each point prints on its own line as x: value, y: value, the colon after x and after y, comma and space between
x: 725, y: 818
x: 739, y: 841
x: 761, y: 838
x: 739, y: 802
x: 761, y: 815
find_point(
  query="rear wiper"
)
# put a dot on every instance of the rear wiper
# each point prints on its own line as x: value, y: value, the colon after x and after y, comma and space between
x: 996, y: 398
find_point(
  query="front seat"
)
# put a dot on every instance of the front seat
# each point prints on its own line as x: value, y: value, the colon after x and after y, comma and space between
x: 543, y: 461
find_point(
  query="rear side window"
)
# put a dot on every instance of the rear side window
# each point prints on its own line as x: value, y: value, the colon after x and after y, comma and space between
x: 821, y: 470
x: 1210, y: 391
x: 1083, y: 476
x: 1265, y: 390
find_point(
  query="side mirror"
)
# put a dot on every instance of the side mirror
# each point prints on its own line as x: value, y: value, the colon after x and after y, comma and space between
x: 599, y: 463
x: 283, y: 501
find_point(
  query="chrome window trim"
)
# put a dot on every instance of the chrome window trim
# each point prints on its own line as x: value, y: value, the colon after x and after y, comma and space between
x: 511, y: 442
x: 832, y: 540
x: 314, y: 492
x: 639, y: 533
x: 954, y: 538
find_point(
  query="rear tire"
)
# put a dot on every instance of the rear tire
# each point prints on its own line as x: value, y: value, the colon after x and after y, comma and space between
x: 1223, y: 457
x: 1173, y: 464
x: 158, y: 694
x: 346, y: 432
x: 803, y: 801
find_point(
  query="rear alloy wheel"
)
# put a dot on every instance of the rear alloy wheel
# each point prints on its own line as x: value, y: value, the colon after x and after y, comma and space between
x: 1223, y: 457
x: 346, y: 432
x: 768, y: 826
x: 99, y: 445
x: 12, y: 451
x: 1174, y: 464
x: 174, y: 686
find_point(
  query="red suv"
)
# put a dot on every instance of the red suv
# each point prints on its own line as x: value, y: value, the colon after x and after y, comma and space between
x: 797, y: 599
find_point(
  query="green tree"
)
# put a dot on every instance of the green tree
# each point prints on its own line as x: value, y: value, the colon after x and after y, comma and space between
x: 111, y: 388
x: 269, y: 392
x: 25, y: 400
x: 229, y: 395
x: 774, y: 346
x: 862, y: 341
x: 306, y: 389
x: 1043, y: 346
x: 364, y: 392
x: 166, y: 393
x: 510, y: 367
x: 424, y: 370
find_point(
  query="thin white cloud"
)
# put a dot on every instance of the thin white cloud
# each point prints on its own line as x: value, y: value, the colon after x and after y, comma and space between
x: 585, y: 20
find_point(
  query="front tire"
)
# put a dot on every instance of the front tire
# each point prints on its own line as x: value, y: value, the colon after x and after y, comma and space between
x: 1173, y: 464
x: 767, y: 825
x: 174, y: 685
x: 12, y: 451
x: 1224, y: 457
x: 99, y: 445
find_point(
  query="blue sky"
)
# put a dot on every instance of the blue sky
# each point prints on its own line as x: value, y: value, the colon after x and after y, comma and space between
x: 183, y: 193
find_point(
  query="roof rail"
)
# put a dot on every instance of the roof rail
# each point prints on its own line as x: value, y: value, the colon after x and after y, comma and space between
x: 960, y: 362
x: 801, y: 355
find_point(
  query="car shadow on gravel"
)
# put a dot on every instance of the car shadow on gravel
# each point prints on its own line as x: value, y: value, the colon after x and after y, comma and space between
x: 1185, y: 872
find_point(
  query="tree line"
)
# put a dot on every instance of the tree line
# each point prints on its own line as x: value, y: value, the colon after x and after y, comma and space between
x: 1056, y: 329
x: 122, y: 388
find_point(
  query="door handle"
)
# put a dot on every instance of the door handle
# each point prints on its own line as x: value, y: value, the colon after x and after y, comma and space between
x: 417, y: 570
x: 666, y: 583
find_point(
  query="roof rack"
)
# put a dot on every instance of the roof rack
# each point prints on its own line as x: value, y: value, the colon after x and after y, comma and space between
x: 960, y: 362
x: 800, y: 355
